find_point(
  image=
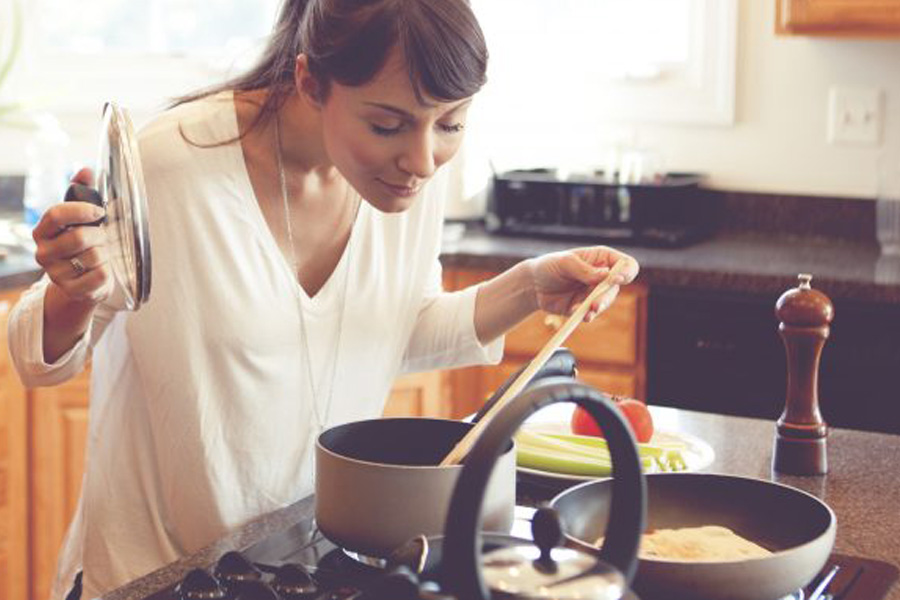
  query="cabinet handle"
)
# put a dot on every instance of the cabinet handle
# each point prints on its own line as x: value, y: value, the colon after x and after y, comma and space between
x: 553, y: 322
x: 715, y: 345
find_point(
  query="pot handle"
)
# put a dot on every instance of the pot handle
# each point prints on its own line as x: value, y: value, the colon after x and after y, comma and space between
x: 561, y: 363
x: 461, y: 567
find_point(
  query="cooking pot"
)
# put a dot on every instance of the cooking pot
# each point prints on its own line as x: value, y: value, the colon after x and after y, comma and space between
x: 469, y: 564
x: 796, y: 527
x: 379, y: 483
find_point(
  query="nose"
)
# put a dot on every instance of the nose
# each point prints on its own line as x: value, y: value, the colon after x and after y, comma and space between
x: 418, y: 157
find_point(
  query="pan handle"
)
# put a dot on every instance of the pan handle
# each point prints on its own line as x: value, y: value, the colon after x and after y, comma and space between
x: 560, y: 364
x: 461, y: 567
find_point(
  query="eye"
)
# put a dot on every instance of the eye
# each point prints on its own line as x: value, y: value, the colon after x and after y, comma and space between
x: 385, y: 131
x: 452, y: 128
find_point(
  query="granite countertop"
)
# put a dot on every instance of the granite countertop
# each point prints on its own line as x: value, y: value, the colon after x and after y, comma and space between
x: 748, y: 263
x: 744, y: 263
x: 17, y: 269
x: 862, y: 488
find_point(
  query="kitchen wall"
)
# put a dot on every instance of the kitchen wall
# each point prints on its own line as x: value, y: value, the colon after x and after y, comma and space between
x: 779, y: 141
x: 777, y: 144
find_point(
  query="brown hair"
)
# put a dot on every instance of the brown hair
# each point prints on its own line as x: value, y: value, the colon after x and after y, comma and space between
x: 348, y: 41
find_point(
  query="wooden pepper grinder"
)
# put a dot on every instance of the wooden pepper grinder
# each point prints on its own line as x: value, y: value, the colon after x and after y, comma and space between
x: 805, y: 315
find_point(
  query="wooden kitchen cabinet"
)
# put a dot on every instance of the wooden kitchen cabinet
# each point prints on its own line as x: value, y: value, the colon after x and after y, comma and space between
x: 839, y: 18
x: 419, y: 395
x: 14, y: 543
x: 59, y: 425
x: 42, y: 440
x: 610, y: 350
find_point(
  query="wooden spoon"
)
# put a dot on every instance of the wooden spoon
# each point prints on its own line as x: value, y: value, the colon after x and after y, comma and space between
x: 456, y: 455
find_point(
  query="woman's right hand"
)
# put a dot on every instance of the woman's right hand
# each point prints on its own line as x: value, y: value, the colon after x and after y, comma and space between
x: 73, y: 256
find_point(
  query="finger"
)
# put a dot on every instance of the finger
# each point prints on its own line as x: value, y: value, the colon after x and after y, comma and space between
x: 84, y: 176
x: 92, y: 258
x: 68, y: 244
x: 602, y: 258
x: 93, y: 285
x: 629, y: 271
x: 584, y: 271
x: 64, y: 270
x: 59, y: 217
x: 607, y: 299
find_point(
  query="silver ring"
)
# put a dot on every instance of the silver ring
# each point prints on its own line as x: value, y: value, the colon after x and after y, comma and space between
x: 77, y: 266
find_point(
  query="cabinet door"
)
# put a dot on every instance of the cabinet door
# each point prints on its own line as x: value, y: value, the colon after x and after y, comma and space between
x: 610, y: 338
x: 418, y: 395
x: 13, y: 470
x: 610, y: 350
x: 59, y: 420
x: 851, y: 18
x: 616, y: 383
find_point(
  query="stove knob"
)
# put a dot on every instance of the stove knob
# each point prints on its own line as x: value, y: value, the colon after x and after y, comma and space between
x: 255, y: 590
x: 233, y: 571
x: 199, y: 585
x: 397, y: 584
x: 293, y: 582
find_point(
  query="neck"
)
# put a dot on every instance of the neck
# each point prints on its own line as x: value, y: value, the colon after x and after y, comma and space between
x: 302, y: 142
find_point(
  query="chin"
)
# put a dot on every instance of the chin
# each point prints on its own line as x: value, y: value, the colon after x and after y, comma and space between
x: 391, y: 204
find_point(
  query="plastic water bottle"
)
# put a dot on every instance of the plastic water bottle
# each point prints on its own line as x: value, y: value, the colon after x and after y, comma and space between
x: 48, y: 167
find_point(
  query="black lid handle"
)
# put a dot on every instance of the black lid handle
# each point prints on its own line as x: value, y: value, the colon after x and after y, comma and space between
x: 461, y: 568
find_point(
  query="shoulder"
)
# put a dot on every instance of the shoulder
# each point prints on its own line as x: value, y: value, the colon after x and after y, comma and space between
x: 184, y: 132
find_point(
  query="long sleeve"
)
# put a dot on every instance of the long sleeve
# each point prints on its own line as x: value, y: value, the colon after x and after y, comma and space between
x: 26, y: 335
x: 444, y: 333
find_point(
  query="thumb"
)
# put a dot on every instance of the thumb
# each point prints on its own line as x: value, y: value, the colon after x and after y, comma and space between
x: 84, y: 176
x: 585, y: 272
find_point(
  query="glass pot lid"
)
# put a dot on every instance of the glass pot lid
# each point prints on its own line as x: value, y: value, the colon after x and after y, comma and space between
x: 547, y: 571
x: 120, y: 183
x: 563, y: 574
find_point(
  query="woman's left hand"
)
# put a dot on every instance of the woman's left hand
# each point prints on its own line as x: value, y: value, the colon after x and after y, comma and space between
x: 562, y: 280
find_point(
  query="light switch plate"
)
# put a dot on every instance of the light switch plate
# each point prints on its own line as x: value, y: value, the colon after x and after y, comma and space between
x: 854, y: 116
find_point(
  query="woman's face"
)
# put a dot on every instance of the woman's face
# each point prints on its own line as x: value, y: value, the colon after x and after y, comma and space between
x: 384, y: 141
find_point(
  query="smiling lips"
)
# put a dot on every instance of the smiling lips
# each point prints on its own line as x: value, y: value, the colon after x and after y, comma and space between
x: 404, y: 191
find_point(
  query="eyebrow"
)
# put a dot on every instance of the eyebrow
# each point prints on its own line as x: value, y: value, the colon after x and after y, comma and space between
x: 407, y: 115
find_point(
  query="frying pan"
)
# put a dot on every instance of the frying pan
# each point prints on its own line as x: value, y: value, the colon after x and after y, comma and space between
x: 797, y: 527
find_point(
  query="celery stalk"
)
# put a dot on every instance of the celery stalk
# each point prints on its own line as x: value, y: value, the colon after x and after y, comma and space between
x: 598, y: 442
x: 587, y: 456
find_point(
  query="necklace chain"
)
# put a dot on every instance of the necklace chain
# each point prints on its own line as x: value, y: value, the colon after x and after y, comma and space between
x: 320, y: 421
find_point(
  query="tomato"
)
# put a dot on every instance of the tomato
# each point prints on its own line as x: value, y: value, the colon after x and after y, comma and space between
x: 636, y: 415
x: 583, y: 423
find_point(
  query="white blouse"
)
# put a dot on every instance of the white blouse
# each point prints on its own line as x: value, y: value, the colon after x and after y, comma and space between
x: 201, y: 412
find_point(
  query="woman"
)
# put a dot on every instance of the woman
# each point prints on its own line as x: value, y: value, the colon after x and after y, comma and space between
x: 296, y: 224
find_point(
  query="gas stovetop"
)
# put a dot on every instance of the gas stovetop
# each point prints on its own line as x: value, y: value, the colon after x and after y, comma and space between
x: 336, y: 575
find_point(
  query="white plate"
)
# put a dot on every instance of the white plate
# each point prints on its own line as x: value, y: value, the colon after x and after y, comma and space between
x: 555, y: 419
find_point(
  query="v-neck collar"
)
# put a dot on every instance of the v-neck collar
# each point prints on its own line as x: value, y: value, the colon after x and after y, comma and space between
x: 327, y: 292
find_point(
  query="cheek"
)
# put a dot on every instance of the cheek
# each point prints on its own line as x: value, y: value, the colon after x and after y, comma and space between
x: 348, y: 145
x: 446, y: 150
x: 366, y: 155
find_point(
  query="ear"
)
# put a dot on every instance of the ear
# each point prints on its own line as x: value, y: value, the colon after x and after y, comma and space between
x: 307, y: 86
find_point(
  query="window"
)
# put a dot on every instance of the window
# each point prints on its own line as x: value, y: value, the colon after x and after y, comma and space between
x: 138, y: 53
x: 658, y: 60
x: 571, y: 83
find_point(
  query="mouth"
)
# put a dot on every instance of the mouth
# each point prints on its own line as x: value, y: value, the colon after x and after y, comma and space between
x: 404, y: 191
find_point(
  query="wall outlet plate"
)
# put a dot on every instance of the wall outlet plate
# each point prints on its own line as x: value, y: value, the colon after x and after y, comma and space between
x: 854, y: 116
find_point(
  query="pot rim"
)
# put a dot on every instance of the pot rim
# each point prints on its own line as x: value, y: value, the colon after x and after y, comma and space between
x: 391, y: 466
